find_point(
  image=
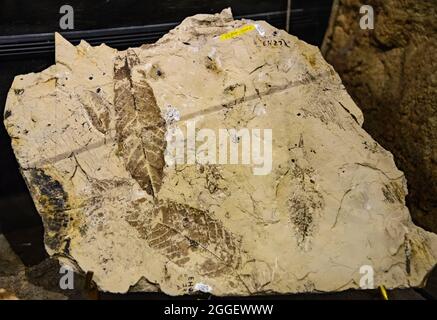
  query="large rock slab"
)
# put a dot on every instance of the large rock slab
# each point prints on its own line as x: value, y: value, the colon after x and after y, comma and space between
x: 95, y: 136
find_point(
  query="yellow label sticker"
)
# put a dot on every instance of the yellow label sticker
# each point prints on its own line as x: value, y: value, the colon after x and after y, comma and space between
x: 237, y: 32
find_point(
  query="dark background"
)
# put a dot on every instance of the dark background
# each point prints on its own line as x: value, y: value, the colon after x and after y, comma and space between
x: 30, y: 16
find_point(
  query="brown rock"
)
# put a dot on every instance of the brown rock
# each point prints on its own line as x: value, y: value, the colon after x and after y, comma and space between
x: 14, y: 283
x: 391, y: 73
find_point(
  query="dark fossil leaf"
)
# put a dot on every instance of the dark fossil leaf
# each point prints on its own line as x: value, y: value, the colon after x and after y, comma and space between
x: 140, y: 129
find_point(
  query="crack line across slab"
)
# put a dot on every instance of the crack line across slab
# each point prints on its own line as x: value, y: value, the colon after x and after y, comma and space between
x: 212, y: 109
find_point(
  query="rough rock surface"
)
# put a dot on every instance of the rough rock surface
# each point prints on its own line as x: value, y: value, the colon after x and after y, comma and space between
x: 14, y: 284
x: 391, y: 74
x: 91, y: 136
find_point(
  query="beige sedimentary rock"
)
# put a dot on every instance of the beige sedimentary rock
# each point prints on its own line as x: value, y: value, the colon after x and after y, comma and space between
x: 93, y: 134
